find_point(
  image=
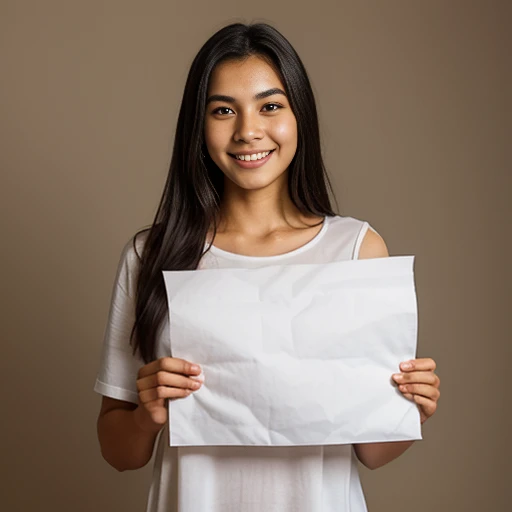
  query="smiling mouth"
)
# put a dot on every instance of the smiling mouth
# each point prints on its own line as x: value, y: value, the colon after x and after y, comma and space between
x: 261, y: 155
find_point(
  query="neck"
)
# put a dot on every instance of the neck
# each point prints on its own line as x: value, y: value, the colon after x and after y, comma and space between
x: 258, y: 212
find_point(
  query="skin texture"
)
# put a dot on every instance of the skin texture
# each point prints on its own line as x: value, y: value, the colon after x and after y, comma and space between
x: 416, y: 380
x: 249, y: 124
x: 246, y: 124
x: 127, y: 431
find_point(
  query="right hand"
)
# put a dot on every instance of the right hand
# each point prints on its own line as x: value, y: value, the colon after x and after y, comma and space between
x: 167, y: 377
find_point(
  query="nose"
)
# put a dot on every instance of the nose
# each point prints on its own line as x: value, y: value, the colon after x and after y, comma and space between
x: 248, y: 127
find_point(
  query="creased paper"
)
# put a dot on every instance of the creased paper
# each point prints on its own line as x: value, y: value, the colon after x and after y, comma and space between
x: 295, y: 354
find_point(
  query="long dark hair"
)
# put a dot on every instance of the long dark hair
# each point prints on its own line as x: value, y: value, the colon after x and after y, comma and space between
x: 193, y: 191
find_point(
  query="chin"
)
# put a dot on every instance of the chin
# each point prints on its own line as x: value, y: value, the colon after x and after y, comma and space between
x: 255, y: 182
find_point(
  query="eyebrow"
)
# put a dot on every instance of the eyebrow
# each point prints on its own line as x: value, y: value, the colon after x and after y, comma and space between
x: 259, y: 96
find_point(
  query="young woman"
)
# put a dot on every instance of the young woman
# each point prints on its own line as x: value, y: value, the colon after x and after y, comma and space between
x: 246, y: 188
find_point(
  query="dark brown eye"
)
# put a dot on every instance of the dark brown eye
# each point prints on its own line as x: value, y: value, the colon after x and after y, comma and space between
x: 221, y: 111
x: 276, y: 105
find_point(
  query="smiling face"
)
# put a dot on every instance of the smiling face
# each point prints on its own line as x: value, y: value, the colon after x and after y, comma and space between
x: 248, y: 113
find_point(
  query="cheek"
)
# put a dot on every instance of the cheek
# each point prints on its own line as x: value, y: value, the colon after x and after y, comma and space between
x: 286, y: 132
x: 217, y: 135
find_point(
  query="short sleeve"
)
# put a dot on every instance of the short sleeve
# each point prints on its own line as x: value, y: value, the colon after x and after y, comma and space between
x: 117, y: 374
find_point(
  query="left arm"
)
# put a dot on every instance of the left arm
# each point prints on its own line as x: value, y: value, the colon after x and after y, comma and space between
x: 375, y: 455
x: 417, y: 381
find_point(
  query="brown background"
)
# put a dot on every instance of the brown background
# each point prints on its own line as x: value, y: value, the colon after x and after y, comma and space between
x: 411, y: 97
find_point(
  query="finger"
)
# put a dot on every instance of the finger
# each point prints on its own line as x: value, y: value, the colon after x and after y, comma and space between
x: 163, y: 378
x: 169, y: 364
x: 416, y: 377
x: 427, y: 406
x: 425, y: 364
x: 421, y: 389
x: 161, y: 392
x: 199, y: 377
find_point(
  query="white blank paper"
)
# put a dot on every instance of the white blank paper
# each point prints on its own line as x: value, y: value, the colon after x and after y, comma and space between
x: 295, y: 354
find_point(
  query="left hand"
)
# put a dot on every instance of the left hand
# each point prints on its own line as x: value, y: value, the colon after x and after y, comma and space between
x: 419, y: 383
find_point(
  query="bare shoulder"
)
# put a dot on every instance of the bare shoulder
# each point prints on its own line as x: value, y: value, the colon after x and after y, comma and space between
x: 373, y: 246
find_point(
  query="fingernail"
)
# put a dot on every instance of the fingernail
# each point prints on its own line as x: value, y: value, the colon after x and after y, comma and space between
x: 398, y: 376
x: 406, y: 366
x: 199, y: 377
x: 195, y: 368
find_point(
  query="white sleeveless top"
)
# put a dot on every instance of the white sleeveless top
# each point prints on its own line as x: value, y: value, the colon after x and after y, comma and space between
x: 235, y: 478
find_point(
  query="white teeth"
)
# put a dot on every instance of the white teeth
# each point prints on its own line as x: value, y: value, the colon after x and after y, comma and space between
x: 255, y: 156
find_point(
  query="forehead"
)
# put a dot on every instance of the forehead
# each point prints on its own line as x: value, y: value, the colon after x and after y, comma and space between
x: 246, y: 77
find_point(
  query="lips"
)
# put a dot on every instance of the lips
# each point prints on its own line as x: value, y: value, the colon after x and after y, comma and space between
x: 251, y: 153
x: 252, y: 164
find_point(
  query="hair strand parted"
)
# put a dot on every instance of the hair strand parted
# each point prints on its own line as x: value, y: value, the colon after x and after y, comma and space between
x: 193, y: 190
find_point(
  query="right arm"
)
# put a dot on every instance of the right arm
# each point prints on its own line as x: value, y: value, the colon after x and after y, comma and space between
x: 134, y: 394
x: 124, y: 444
x: 127, y: 431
